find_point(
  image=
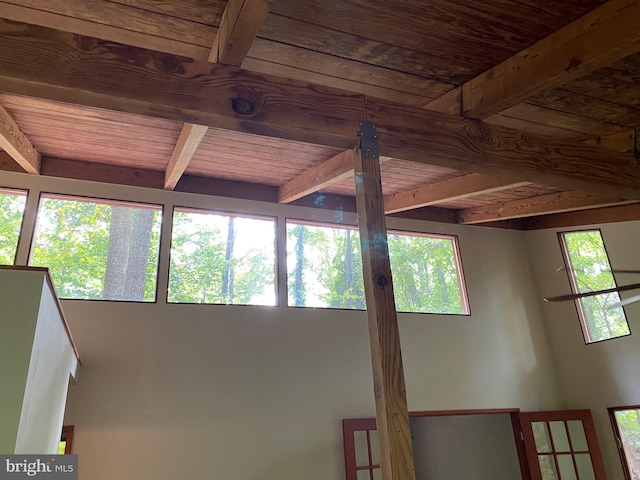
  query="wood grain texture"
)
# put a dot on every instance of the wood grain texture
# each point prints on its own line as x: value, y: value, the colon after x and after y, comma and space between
x: 450, y: 190
x: 91, y: 72
x: 520, y: 193
x: 429, y: 137
x: 208, y: 12
x: 594, y: 216
x: 17, y: 145
x: 392, y: 418
x: 547, y: 117
x: 333, y: 170
x: 600, y: 37
x: 588, y: 107
x: 305, y: 34
x: 59, y: 66
x: 271, y: 57
x: 188, y: 142
x: 104, y: 136
x: 253, y: 158
x: 619, y: 142
x: 617, y: 83
x: 116, y: 22
x: 540, y: 205
x: 241, y: 21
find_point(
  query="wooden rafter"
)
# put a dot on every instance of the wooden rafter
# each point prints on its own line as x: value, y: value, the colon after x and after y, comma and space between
x: 540, y: 205
x: 327, y: 173
x: 396, y: 457
x: 241, y: 21
x: 17, y: 145
x: 53, y: 65
x: 334, y: 170
x: 186, y: 146
x: 447, y: 191
x: 602, y: 36
x: 620, y: 213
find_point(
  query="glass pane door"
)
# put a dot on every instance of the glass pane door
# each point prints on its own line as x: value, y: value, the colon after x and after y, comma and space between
x: 562, y: 445
x: 361, y: 451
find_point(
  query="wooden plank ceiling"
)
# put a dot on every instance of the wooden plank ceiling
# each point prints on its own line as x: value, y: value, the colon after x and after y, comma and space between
x: 487, y: 110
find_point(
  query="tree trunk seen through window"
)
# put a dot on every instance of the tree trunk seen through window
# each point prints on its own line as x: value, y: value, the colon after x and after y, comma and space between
x: 128, y: 253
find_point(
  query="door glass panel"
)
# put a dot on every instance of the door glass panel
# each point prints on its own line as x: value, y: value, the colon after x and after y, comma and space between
x: 578, y: 439
x: 585, y: 467
x: 362, y: 449
x: 559, y: 435
x: 541, y: 435
x: 377, y: 474
x: 547, y: 467
x: 565, y: 465
x: 364, y: 474
x: 375, y: 449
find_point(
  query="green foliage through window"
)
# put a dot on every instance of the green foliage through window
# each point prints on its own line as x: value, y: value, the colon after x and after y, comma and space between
x: 98, y: 250
x: 325, y: 270
x: 11, y: 211
x: 589, y: 270
x: 628, y: 422
x: 222, y: 259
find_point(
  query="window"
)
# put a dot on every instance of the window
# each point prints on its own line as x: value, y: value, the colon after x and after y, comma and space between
x: 325, y: 270
x: 589, y: 270
x: 218, y: 258
x: 98, y: 249
x: 626, y: 426
x: 12, y: 204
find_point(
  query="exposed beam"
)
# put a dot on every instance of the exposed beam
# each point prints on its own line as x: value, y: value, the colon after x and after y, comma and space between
x: 17, y: 145
x: 392, y: 419
x: 327, y: 173
x: 58, y: 66
x: 451, y: 190
x: 621, y: 213
x: 241, y: 21
x: 334, y: 170
x: 541, y: 205
x: 602, y: 36
x: 190, y: 137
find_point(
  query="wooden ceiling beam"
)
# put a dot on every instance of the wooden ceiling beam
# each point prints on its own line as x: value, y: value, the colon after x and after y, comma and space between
x: 621, y: 213
x: 190, y: 137
x: 241, y: 21
x: 602, y: 36
x: 54, y: 65
x: 540, y: 205
x: 327, y: 173
x: 334, y: 170
x: 457, y: 188
x: 17, y: 145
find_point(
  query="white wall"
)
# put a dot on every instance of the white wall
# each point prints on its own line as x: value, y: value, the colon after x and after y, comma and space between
x: 478, y: 447
x: 18, y: 313
x: 190, y: 391
x: 51, y: 364
x: 182, y: 391
x: 601, y: 375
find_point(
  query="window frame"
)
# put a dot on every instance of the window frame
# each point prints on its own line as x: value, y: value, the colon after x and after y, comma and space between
x: 160, y: 207
x: 580, y: 310
x: 207, y: 211
x: 461, y: 282
x: 20, y: 192
x: 618, y: 437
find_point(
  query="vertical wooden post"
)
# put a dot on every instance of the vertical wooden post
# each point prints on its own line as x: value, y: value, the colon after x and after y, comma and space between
x: 396, y: 456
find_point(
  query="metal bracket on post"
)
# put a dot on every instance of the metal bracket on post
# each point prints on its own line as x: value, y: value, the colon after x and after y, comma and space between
x: 369, y: 140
